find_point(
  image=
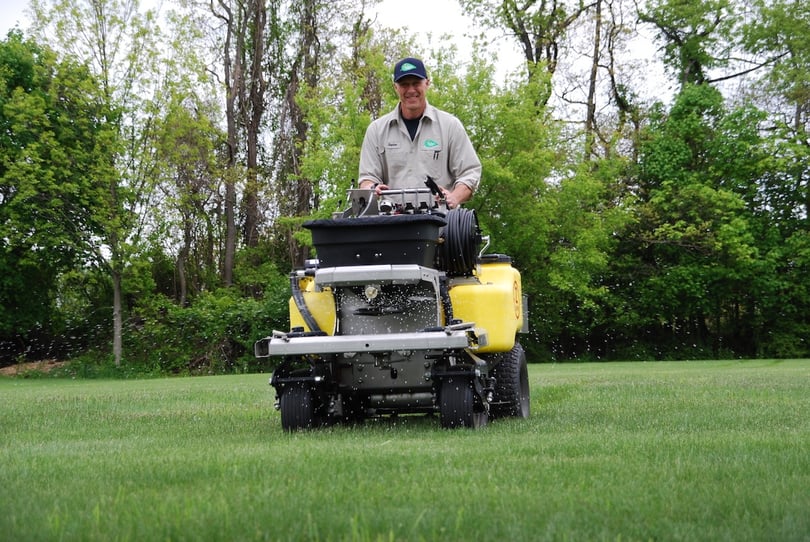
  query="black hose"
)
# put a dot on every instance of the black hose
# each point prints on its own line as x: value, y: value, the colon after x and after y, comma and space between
x: 462, y: 238
x: 301, y: 304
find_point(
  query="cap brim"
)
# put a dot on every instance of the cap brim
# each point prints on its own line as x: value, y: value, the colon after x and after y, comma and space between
x: 404, y: 75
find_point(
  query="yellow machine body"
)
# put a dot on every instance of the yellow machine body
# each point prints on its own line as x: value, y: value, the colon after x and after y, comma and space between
x: 494, y: 302
x: 321, y: 305
x: 492, y: 298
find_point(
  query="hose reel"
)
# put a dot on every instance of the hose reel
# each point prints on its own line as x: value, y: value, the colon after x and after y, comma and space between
x: 460, y: 242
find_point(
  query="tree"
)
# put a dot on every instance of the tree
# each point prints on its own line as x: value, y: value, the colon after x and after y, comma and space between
x: 189, y: 180
x: 515, y: 203
x: 590, y: 115
x: 349, y: 93
x: 58, y: 133
x: 297, y: 192
x: 119, y: 45
x: 695, y: 35
x: 539, y: 26
x: 696, y: 241
x: 779, y: 37
x: 613, y: 106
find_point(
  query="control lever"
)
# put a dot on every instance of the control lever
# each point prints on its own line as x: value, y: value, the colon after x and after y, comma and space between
x: 434, y: 188
x: 436, y: 191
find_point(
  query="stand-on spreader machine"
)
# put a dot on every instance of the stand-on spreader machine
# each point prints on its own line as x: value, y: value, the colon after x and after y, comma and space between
x: 401, y: 313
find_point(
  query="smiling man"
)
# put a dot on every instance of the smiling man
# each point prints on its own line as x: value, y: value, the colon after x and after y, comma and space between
x: 416, y: 140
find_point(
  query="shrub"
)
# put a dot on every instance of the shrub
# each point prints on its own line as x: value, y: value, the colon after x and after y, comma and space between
x: 214, y: 335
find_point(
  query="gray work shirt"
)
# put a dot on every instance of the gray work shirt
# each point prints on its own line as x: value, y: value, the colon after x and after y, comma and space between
x: 441, y: 149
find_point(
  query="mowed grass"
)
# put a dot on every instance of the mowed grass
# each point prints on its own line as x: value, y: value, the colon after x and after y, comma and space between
x: 613, y: 451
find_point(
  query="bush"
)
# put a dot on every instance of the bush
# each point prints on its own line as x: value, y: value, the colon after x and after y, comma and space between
x: 215, y: 335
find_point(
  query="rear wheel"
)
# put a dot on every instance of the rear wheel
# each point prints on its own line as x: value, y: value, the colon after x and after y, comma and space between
x: 457, y: 405
x: 512, y: 396
x: 299, y: 409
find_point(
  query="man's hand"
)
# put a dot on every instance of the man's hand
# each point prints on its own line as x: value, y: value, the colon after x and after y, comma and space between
x: 453, y: 198
x: 457, y: 196
x: 369, y: 184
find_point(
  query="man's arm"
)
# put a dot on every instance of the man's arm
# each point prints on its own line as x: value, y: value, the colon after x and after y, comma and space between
x: 464, y: 165
x: 371, y: 167
x: 458, y: 195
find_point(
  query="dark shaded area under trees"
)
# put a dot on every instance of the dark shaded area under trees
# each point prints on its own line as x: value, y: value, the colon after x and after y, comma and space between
x: 151, y: 196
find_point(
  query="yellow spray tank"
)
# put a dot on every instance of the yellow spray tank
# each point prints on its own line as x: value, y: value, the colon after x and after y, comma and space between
x: 493, y: 299
x: 319, y: 303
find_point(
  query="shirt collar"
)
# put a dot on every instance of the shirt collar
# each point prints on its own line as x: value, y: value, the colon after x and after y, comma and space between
x: 430, y: 112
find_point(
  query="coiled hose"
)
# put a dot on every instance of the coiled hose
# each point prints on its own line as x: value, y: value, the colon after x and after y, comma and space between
x: 458, y: 252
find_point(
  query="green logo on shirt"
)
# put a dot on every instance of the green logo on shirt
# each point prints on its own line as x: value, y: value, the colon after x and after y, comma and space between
x: 429, y: 143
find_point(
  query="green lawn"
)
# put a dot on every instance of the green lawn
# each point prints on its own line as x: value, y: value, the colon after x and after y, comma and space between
x: 613, y: 451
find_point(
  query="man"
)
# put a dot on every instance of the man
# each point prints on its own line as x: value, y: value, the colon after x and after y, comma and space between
x: 416, y: 140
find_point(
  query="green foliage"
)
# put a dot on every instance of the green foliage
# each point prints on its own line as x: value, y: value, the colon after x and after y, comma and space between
x: 693, y: 35
x: 213, y: 335
x: 688, y: 239
x: 338, y: 118
x: 584, y: 228
x: 188, y: 178
x: 83, y: 296
x: 782, y: 321
x: 514, y: 139
x: 780, y: 34
x: 55, y: 148
x: 515, y: 203
x: 693, y: 256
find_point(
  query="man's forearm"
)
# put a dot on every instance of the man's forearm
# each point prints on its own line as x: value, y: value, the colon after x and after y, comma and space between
x: 458, y: 195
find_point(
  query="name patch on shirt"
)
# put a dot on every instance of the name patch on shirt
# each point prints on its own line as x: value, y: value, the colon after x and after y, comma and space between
x: 392, y: 145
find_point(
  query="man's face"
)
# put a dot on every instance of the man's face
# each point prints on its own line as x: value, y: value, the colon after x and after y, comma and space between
x: 411, y: 91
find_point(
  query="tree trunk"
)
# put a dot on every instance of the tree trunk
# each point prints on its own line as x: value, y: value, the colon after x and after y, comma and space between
x: 590, y: 117
x: 299, y: 194
x: 182, y: 262
x: 254, y: 109
x: 233, y: 76
x: 118, y: 325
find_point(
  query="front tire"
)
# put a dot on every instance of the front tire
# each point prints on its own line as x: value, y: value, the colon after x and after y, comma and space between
x: 457, y: 405
x: 512, y: 395
x: 299, y: 409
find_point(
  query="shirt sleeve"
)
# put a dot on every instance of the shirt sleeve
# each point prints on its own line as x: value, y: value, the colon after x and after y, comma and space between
x: 464, y: 166
x: 371, y: 163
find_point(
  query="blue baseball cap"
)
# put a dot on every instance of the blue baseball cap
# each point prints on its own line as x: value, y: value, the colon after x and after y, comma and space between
x: 409, y: 66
